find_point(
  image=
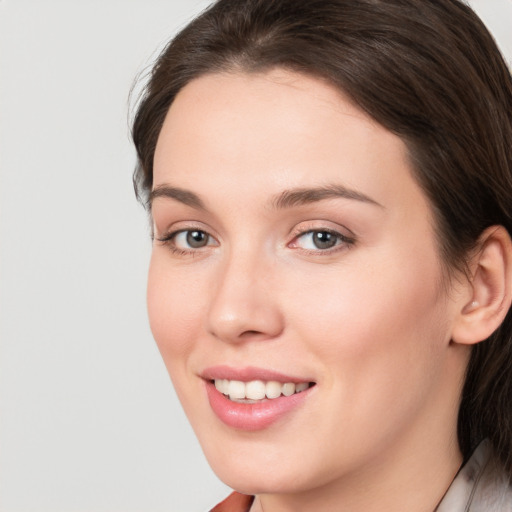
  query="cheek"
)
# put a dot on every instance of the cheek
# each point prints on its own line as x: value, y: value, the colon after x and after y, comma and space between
x: 375, y: 330
x: 379, y: 339
x: 174, y: 310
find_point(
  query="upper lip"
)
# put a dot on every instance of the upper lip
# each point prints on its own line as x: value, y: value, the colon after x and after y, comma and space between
x: 248, y: 373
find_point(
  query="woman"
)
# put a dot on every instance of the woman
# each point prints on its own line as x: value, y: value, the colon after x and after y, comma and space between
x: 330, y: 188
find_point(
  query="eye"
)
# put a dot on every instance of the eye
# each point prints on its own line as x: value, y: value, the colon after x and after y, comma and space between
x: 320, y: 240
x: 191, y: 239
x: 186, y: 241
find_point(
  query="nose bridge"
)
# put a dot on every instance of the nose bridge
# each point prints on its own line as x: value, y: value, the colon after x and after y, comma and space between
x: 242, y: 305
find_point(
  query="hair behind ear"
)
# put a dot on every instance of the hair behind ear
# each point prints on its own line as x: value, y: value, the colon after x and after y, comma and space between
x: 486, y: 405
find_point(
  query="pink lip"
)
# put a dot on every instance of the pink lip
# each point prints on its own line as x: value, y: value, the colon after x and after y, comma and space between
x: 247, y: 416
x: 247, y: 374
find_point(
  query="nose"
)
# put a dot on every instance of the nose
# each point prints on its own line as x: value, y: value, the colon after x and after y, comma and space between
x: 243, y: 305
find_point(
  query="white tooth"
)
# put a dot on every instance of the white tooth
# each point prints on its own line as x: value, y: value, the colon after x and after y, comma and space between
x: 225, y: 386
x: 255, y: 390
x: 288, y: 389
x: 301, y: 387
x: 218, y: 385
x: 273, y: 389
x: 236, y: 390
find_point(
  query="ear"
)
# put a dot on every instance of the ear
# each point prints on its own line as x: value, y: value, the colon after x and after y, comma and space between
x: 489, y: 290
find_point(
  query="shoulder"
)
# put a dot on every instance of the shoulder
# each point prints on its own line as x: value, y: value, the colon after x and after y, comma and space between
x: 480, y: 486
x: 235, y: 502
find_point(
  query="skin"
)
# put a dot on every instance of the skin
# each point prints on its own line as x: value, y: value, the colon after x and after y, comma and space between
x: 370, y: 320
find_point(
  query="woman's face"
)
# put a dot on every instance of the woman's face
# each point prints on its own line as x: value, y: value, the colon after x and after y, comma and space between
x: 293, y: 249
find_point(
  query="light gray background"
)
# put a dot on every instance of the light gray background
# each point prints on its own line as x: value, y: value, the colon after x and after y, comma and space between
x: 88, y: 418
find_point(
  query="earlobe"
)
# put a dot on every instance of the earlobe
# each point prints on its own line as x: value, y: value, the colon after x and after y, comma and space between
x: 491, y: 288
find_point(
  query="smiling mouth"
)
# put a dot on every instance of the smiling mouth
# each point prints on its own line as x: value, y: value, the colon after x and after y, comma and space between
x: 256, y: 391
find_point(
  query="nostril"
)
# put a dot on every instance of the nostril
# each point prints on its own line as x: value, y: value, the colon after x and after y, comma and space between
x: 250, y: 333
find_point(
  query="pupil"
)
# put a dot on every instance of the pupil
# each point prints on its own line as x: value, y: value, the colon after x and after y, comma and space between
x: 196, y: 239
x: 324, y: 240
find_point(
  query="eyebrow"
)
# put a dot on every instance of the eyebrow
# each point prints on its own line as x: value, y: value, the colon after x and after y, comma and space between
x: 179, y: 194
x: 300, y: 196
x: 286, y: 199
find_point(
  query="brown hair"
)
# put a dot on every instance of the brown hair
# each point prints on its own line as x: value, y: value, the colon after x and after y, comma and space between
x: 427, y: 70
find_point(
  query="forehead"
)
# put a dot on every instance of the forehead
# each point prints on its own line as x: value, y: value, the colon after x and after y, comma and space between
x: 269, y: 131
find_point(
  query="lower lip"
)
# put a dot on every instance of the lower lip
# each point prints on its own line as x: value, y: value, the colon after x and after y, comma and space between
x: 256, y: 416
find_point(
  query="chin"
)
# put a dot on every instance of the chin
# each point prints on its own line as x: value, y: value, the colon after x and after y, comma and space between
x: 256, y: 467
x: 257, y: 479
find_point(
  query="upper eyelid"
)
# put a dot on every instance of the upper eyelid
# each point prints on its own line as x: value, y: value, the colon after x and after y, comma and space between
x: 346, y: 237
x: 341, y: 236
x: 171, y: 233
x: 180, y: 226
x: 319, y: 225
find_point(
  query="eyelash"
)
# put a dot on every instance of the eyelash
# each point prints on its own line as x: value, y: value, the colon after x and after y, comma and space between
x: 343, y: 241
